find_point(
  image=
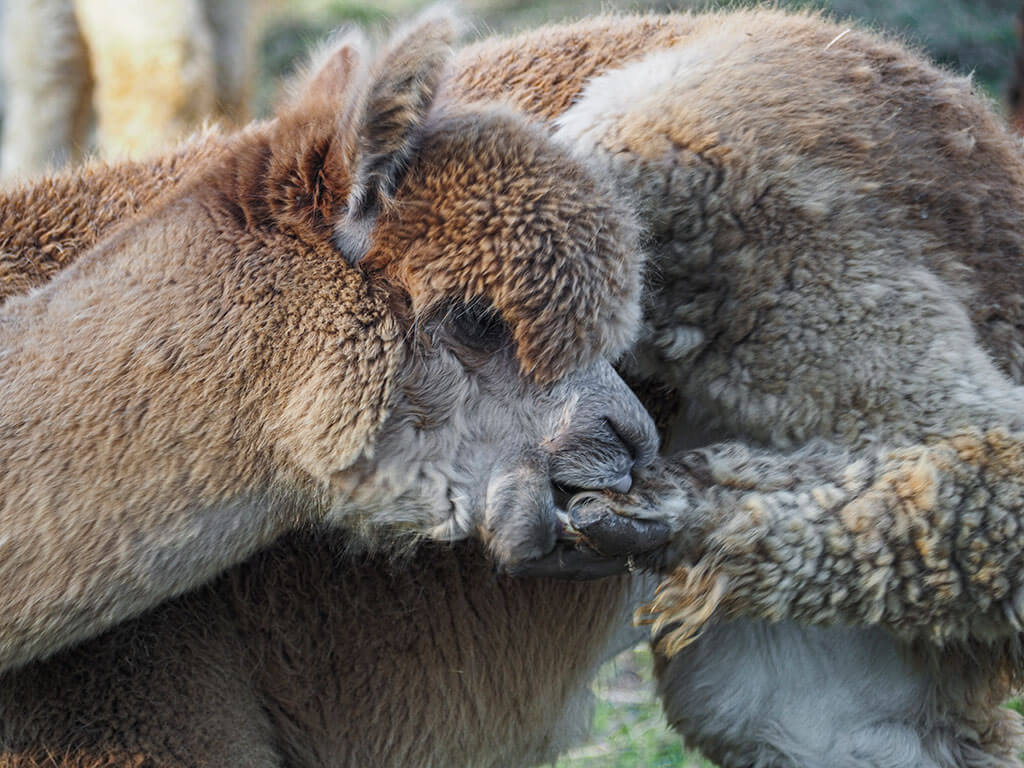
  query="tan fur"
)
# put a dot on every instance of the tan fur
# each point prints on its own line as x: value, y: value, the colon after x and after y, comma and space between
x: 790, y: 131
x: 70, y: 213
x: 150, y: 73
x: 310, y: 656
x: 161, y: 356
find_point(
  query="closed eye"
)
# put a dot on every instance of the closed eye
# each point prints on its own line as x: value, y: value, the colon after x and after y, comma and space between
x: 480, y: 328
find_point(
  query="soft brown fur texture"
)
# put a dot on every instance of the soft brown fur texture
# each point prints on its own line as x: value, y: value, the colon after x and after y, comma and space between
x: 213, y: 372
x: 799, y: 161
x: 69, y: 213
x: 310, y: 656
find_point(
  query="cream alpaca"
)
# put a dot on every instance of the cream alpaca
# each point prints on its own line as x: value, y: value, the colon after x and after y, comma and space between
x: 149, y: 72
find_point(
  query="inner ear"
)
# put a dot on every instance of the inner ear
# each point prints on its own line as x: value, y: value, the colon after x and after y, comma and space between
x: 339, y: 71
x: 386, y: 133
x: 341, y: 146
x: 334, y: 74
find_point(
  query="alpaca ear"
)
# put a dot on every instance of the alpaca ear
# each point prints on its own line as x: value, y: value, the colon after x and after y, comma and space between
x: 334, y: 74
x: 354, y: 122
x: 386, y: 127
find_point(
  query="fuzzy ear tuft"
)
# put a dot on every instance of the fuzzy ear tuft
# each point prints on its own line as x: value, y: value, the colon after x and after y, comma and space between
x: 386, y: 130
x: 338, y: 148
x: 334, y: 70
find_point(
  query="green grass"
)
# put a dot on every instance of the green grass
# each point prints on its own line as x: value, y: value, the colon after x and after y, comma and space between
x: 629, y: 727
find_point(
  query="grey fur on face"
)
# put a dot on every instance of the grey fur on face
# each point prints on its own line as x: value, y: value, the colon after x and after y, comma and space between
x: 471, y: 447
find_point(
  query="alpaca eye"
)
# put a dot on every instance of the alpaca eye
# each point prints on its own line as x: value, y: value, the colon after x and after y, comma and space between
x: 481, y: 328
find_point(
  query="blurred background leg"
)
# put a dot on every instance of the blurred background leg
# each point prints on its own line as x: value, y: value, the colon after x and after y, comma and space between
x: 47, y: 86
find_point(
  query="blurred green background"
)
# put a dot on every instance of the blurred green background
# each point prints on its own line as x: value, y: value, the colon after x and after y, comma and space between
x: 971, y: 36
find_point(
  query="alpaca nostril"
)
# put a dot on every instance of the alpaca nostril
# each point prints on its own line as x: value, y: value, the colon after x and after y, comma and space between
x: 639, y: 437
x: 599, y: 452
x: 623, y: 484
x: 626, y: 437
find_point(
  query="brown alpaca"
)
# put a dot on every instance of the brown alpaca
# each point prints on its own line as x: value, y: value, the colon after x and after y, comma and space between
x: 396, y: 405
x: 936, y: 396
x: 762, y: 150
x: 818, y: 286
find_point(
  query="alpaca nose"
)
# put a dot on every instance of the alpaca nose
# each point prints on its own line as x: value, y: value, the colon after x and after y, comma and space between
x: 623, y: 484
x: 608, y: 433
